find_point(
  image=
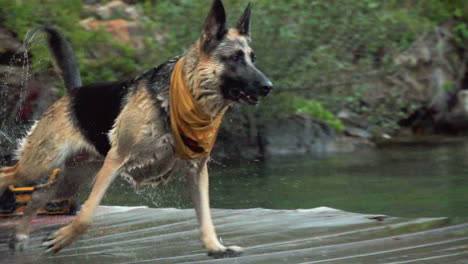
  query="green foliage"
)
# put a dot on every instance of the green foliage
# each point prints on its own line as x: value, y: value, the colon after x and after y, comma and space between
x: 461, y: 34
x: 447, y: 86
x: 316, y: 110
x: 433, y: 12
x: 283, y: 105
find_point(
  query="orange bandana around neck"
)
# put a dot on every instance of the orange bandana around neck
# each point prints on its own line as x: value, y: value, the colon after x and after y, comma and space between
x: 194, y: 131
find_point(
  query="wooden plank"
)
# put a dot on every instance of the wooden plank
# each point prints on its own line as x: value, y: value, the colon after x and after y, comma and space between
x: 321, y: 235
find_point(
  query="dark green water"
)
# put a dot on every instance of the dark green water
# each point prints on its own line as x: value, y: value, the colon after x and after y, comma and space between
x: 416, y: 181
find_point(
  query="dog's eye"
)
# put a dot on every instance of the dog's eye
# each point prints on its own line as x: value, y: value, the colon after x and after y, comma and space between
x: 235, y: 58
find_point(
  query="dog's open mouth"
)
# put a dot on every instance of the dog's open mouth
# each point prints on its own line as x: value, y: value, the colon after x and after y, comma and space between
x: 248, y: 98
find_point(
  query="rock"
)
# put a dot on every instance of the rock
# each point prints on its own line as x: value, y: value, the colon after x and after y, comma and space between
x: 456, y: 120
x: 349, y: 118
x: 355, y: 126
x: 357, y: 132
x: 293, y: 135
x: 123, y: 31
x: 8, y: 41
x: 11, y: 75
x: 10, y: 48
x: 345, y: 144
x: 297, y: 135
x: 424, y: 85
x: 114, y: 9
x: 118, y: 18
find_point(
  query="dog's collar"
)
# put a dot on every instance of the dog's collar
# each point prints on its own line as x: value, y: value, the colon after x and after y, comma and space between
x: 194, y: 131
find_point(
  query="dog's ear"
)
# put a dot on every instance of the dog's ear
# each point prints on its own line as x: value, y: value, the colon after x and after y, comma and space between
x: 244, y: 22
x: 215, y: 26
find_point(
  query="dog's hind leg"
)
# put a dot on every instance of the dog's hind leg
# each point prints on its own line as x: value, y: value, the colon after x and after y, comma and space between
x: 8, y: 169
x: 61, y: 185
x: 19, y: 240
x: 49, y: 144
x: 198, y: 175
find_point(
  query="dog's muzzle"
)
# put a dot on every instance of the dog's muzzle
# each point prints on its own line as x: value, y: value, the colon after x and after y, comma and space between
x: 266, y: 88
x: 251, y: 96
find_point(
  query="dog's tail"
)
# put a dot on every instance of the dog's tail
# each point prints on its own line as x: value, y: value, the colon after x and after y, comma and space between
x: 65, y: 57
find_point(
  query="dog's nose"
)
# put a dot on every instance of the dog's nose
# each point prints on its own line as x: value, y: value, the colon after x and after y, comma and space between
x: 266, y: 88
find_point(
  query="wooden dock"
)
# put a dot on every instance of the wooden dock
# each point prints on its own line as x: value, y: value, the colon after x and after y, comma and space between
x: 321, y: 235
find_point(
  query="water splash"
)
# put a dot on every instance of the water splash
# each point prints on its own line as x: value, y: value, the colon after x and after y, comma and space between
x: 14, y: 88
x: 6, y: 137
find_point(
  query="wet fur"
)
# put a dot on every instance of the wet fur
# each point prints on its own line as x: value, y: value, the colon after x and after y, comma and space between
x: 123, y: 128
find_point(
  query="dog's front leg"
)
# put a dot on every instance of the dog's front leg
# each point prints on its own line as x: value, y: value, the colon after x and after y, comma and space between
x: 80, y: 225
x: 201, y: 200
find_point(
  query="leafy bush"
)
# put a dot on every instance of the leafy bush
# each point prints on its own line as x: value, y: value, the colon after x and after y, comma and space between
x: 284, y: 104
x: 316, y: 110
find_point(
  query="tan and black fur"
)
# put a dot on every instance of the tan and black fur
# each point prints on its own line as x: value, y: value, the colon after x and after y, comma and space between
x: 103, y: 130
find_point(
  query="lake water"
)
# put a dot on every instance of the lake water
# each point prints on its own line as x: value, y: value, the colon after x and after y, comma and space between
x: 406, y: 180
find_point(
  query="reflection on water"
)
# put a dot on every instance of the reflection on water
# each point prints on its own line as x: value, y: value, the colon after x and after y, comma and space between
x: 416, y: 181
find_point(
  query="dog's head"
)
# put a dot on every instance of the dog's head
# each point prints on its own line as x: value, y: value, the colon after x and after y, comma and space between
x: 228, y: 57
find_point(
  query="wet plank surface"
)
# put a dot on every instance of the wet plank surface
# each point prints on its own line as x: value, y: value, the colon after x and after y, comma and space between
x: 321, y: 235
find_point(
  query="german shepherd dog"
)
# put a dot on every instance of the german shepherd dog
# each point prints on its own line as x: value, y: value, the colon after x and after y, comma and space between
x: 102, y: 130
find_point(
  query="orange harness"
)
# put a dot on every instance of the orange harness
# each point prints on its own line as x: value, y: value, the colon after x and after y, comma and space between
x: 194, y: 131
x: 16, y: 204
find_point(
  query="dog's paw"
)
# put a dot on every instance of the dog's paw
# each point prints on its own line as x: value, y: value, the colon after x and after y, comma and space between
x: 62, y: 238
x: 228, y: 252
x: 19, y: 242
